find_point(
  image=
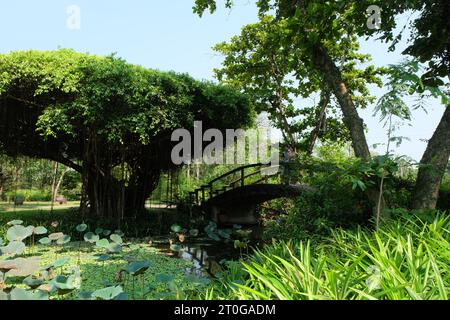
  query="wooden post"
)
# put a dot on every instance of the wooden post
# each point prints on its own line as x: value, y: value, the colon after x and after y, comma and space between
x: 210, y: 190
x: 242, y: 177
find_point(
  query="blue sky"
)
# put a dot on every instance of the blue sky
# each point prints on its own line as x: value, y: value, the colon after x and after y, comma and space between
x: 166, y: 35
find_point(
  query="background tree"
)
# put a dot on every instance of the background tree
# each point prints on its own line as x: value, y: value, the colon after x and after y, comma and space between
x: 314, y: 23
x: 260, y: 63
x: 108, y: 120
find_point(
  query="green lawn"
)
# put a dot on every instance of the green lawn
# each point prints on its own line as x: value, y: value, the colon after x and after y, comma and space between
x: 36, y: 206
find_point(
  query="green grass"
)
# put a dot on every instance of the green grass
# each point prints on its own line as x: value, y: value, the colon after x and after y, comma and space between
x: 405, y: 259
x: 36, y: 206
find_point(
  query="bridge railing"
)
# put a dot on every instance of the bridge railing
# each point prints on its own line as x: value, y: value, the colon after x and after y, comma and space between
x: 239, y: 177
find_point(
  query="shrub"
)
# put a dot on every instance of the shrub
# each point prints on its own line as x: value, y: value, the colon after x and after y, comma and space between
x: 405, y: 259
x: 30, y: 194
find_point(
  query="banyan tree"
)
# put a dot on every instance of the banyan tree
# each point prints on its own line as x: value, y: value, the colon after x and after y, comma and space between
x: 109, y: 120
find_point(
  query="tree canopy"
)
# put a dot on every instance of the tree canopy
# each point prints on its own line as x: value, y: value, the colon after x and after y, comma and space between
x: 101, y: 114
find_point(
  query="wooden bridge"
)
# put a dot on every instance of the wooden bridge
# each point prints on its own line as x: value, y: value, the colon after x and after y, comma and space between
x: 233, y: 197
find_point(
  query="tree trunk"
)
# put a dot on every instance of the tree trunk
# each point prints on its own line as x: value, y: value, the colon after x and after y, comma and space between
x: 321, y: 114
x: 54, y: 173
x: 433, y: 166
x: 61, y: 179
x: 352, y: 121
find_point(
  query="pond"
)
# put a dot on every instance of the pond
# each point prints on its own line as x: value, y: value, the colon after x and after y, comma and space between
x: 205, y: 254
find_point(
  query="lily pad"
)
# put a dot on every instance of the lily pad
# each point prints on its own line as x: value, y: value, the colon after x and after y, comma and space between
x: 91, y: 237
x: 164, y: 278
x: 116, y: 238
x: 175, y: 247
x: 103, y: 257
x: 40, y: 230
x: 81, y: 227
x: 33, y: 283
x: 18, y: 233
x: 14, y: 222
x: 13, y: 248
x: 24, y: 267
x: 60, y: 262
x: 85, y: 295
x: 63, y: 240
x: 114, y: 248
x: 45, y: 241
x: 65, y: 284
x: 138, y: 267
x: 22, y: 294
x: 99, y: 231
x: 103, y: 243
x: 106, y: 232
x: 56, y: 236
x: 47, y: 287
x: 175, y: 228
x: 31, y: 229
x: 108, y: 293
x: 4, y: 296
x: 7, y: 265
x: 119, y: 233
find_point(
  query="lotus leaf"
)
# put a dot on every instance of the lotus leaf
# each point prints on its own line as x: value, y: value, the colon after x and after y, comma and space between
x: 56, y: 236
x: 40, y: 230
x: 103, y: 257
x: 164, y: 278
x: 119, y: 233
x: 13, y: 248
x: 22, y: 294
x: 81, y: 227
x: 45, y: 240
x: 114, y: 248
x: 175, y: 228
x: 14, y: 222
x: 116, y: 238
x: 175, y: 247
x: 108, y: 293
x: 60, y: 262
x: 33, y: 283
x: 103, y: 243
x: 63, y: 240
x: 91, y: 237
x: 18, y: 233
x: 24, y: 267
x: 138, y: 267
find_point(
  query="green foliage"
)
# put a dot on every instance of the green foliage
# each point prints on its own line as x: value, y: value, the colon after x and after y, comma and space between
x: 263, y: 62
x: 81, y: 227
x: 109, y: 293
x: 91, y: 237
x: 35, y: 278
x: 137, y: 268
x: 403, y: 260
x: 30, y: 194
